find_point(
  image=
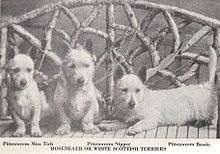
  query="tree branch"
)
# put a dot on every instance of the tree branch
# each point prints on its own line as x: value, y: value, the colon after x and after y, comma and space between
x: 195, y: 38
x: 171, y: 77
x: 85, y: 24
x: 71, y: 16
x: 191, y: 72
x: 174, y: 30
x: 27, y: 36
x: 99, y: 33
x: 145, y: 40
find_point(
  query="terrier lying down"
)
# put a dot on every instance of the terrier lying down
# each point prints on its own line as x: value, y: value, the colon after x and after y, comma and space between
x: 77, y: 95
x: 142, y: 109
x: 26, y: 102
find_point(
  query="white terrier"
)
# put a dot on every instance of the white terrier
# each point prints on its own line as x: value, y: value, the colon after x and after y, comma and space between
x: 26, y: 102
x: 145, y: 109
x: 77, y: 97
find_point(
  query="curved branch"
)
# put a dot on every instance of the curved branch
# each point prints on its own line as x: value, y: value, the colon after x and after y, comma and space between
x: 188, y: 15
x: 171, y: 77
x: 122, y: 27
x: 122, y: 61
x: 27, y: 36
x: 193, y: 56
x: 165, y: 31
x: 216, y: 40
x: 48, y: 38
x: 101, y: 59
x: 191, y: 72
x: 132, y: 54
x: 145, y: 40
x: 91, y: 30
x: 148, y: 19
x: 50, y: 30
x: 174, y: 29
x: 134, y: 3
x: 162, y: 65
x: 195, y: 38
x: 71, y: 16
x: 63, y: 34
x: 12, y: 43
x: 84, y: 24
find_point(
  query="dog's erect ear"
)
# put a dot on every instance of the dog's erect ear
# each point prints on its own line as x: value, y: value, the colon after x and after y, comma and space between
x: 89, y: 47
x: 10, y: 54
x: 118, y: 74
x: 142, y: 73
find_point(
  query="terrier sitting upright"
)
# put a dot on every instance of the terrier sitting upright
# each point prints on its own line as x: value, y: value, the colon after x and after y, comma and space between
x: 143, y: 109
x: 77, y: 98
x: 26, y: 102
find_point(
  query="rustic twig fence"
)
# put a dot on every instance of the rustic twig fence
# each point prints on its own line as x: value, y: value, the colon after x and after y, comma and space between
x: 12, y: 25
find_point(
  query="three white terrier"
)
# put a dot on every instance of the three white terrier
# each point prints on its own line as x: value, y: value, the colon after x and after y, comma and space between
x: 26, y: 102
x: 77, y: 97
x: 143, y: 109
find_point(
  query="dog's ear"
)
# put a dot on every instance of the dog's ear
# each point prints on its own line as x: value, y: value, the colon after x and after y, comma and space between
x: 118, y: 74
x: 10, y: 54
x: 142, y: 73
x: 89, y: 47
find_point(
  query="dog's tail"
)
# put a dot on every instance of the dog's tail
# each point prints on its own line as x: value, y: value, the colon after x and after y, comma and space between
x: 212, y: 65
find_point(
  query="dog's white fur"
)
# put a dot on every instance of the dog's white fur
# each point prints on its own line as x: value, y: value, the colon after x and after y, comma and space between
x: 26, y: 102
x: 77, y: 101
x: 152, y: 108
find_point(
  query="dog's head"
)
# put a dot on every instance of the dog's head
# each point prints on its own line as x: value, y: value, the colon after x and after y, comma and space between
x: 78, y: 66
x: 129, y: 92
x: 21, y: 69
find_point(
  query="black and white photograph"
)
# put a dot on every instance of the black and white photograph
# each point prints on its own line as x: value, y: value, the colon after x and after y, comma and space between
x: 110, y: 69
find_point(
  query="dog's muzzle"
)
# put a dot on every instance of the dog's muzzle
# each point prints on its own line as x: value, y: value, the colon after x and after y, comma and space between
x: 131, y: 104
x: 80, y: 81
x: 23, y: 83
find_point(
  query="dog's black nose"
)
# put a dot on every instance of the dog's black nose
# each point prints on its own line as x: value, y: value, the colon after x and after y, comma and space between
x: 131, y: 104
x: 81, y: 80
x: 23, y: 82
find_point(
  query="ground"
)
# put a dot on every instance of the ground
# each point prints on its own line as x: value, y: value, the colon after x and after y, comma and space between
x: 8, y: 127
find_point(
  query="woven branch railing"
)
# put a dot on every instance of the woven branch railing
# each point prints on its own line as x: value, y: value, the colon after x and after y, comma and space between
x: 113, y: 54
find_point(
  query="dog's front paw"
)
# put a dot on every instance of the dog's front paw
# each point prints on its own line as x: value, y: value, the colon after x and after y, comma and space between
x: 133, y: 131
x: 35, y: 131
x: 132, y: 120
x: 63, y: 129
x: 91, y: 129
x: 19, y: 133
x: 107, y: 127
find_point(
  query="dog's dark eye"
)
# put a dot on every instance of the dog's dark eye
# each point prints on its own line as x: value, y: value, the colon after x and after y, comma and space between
x: 73, y: 66
x: 125, y: 90
x: 29, y: 70
x: 16, y: 70
x: 137, y: 90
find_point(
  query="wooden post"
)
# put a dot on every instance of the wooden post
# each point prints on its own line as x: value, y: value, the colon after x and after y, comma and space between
x: 110, y: 20
x: 3, y: 90
x: 216, y: 45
